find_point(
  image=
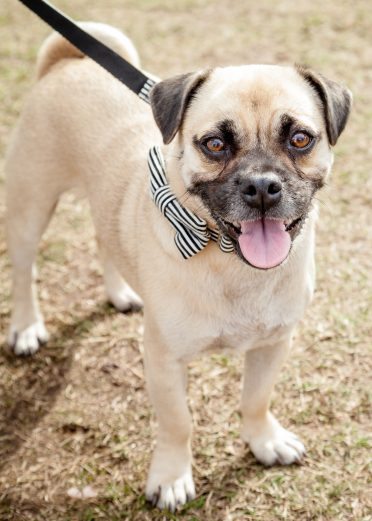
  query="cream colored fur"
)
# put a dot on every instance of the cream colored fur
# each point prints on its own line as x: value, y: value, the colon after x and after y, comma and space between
x: 80, y: 126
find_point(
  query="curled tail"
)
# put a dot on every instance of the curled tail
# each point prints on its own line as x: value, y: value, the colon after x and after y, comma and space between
x: 56, y: 48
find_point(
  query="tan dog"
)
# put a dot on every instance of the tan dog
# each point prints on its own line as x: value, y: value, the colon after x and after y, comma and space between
x: 249, y: 146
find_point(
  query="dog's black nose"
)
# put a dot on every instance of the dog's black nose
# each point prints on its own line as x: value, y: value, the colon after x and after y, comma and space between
x: 261, y: 192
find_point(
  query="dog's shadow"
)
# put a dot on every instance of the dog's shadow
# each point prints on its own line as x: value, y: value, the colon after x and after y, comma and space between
x: 33, y: 384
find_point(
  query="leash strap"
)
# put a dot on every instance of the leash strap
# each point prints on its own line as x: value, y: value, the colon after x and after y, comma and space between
x: 124, y: 71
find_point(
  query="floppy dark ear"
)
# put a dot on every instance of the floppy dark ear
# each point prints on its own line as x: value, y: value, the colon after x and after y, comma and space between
x: 170, y: 98
x: 336, y: 101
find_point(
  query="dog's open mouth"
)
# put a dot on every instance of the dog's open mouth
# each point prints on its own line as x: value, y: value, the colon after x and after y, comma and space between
x: 263, y: 243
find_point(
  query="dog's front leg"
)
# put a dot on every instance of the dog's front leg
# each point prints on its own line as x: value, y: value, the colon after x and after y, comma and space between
x: 170, y: 481
x: 268, y: 440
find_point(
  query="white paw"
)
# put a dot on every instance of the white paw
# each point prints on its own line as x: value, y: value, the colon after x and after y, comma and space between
x: 119, y: 293
x: 170, y: 495
x: 28, y: 341
x: 125, y: 299
x: 275, y: 445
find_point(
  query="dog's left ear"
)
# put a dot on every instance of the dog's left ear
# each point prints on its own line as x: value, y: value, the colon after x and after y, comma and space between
x: 335, y: 98
x: 169, y: 101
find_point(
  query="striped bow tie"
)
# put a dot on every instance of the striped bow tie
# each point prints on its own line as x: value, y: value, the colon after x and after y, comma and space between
x: 192, y: 232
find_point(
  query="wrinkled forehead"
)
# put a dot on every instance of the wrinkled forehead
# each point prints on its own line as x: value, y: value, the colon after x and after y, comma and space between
x: 253, y: 96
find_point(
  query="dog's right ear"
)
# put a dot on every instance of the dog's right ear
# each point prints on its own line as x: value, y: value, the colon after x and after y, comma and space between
x: 170, y: 99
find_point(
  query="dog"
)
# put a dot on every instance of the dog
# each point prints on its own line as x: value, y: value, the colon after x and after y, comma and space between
x: 244, y: 149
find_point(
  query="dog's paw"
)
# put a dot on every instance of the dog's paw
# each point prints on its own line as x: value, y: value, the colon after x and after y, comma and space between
x: 171, y: 495
x: 273, y: 444
x: 283, y: 448
x: 125, y: 299
x: 119, y: 293
x: 27, y: 341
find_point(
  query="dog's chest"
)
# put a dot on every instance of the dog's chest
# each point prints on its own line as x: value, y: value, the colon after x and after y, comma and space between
x: 243, y: 325
x: 237, y: 315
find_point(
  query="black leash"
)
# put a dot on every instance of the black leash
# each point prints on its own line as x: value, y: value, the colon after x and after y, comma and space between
x: 124, y: 71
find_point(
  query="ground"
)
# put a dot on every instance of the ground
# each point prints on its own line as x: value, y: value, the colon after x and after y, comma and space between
x: 77, y: 414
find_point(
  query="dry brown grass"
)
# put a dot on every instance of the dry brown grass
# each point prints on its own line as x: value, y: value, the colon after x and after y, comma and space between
x: 78, y: 414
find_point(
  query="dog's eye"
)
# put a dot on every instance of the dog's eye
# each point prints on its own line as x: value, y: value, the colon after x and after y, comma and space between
x: 300, y: 140
x: 215, y: 144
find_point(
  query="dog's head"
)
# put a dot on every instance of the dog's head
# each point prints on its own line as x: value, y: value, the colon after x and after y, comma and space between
x: 255, y: 145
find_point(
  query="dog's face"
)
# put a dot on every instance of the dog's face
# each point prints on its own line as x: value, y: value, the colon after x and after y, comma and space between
x: 254, y: 143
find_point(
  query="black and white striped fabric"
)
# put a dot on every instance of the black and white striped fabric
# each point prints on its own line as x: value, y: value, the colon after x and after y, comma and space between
x: 144, y: 93
x: 192, y: 232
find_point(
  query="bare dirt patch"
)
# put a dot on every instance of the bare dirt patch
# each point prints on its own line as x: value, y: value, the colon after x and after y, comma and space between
x: 77, y: 414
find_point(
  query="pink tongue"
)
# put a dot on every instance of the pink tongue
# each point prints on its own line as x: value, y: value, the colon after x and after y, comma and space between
x: 264, y: 243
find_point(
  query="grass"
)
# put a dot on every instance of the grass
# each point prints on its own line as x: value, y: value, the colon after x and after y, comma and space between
x: 77, y: 414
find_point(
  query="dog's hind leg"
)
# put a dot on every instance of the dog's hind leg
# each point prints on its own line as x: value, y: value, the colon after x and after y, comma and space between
x: 33, y: 187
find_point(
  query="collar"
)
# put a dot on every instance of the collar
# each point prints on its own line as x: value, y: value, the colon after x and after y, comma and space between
x: 192, y: 232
